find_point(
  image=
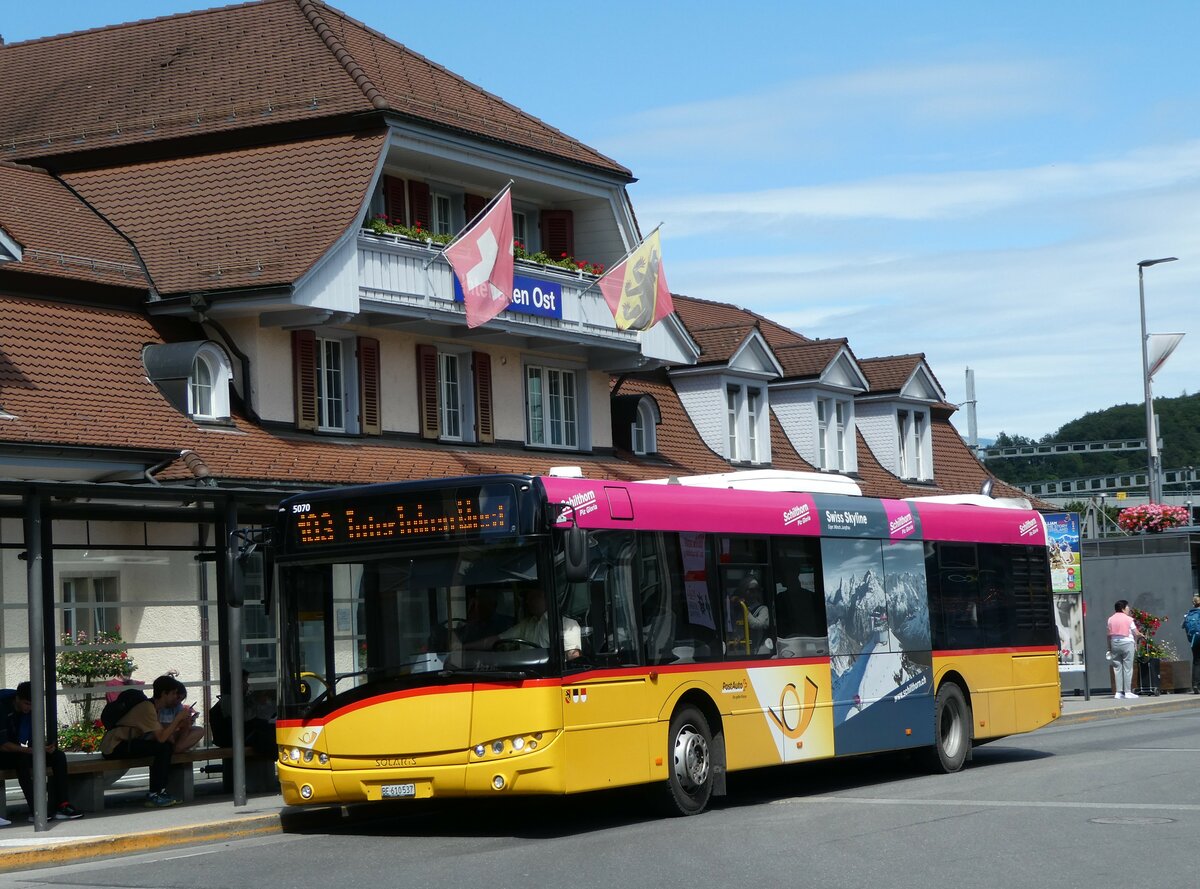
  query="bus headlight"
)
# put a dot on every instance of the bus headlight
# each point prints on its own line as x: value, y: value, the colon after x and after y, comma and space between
x: 308, y: 755
x: 306, y: 791
x: 497, y: 747
x: 498, y: 782
x: 323, y: 758
x: 518, y: 743
x: 294, y: 754
x: 480, y: 750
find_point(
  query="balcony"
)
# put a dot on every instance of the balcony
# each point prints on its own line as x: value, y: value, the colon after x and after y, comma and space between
x: 552, y: 313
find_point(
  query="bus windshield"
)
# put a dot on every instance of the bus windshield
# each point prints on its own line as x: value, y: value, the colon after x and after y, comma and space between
x: 443, y: 614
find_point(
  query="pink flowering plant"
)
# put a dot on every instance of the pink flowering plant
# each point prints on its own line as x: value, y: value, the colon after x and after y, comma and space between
x: 382, y: 225
x: 563, y: 261
x: 84, y: 660
x: 1149, y: 645
x: 1152, y: 517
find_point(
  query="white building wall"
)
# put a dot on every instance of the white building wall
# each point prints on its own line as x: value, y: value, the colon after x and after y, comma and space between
x: 796, y: 411
x: 877, y: 423
x: 704, y: 402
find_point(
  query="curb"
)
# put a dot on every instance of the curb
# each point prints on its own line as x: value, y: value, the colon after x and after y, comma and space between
x: 1117, y: 711
x: 92, y: 848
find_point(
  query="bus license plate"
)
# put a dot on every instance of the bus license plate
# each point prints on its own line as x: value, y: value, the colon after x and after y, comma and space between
x: 392, y: 791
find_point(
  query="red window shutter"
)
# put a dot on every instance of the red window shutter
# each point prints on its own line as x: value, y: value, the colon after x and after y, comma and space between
x: 420, y: 209
x: 304, y: 367
x: 427, y: 390
x: 472, y: 205
x: 481, y: 364
x: 393, y: 199
x: 368, y: 386
x: 558, y: 233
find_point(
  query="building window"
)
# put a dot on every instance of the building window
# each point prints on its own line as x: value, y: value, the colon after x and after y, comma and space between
x: 521, y: 231
x: 90, y: 605
x: 336, y: 382
x: 208, y: 384
x: 644, y: 435
x: 912, y: 446
x: 450, y: 392
x: 746, y: 415
x: 443, y: 223
x: 919, y: 444
x: 454, y: 391
x: 752, y: 400
x: 731, y: 400
x: 552, y: 407
x: 833, y: 419
x: 822, y: 432
x: 331, y: 401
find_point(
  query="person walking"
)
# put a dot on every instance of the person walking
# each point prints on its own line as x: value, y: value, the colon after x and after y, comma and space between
x: 1191, y: 626
x: 1123, y: 634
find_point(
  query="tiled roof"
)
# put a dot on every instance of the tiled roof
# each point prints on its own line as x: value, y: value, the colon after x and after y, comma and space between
x: 59, y: 235
x: 717, y: 344
x: 808, y: 360
x: 891, y: 373
x: 73, y: 376
x: 252, y: 217
x: 701, y: 314
x: 680, y: 448
x: 234, y: 68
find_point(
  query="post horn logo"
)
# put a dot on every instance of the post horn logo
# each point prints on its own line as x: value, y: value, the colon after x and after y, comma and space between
x: 795, y: 714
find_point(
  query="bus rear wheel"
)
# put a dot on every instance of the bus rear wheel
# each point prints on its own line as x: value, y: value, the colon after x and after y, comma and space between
x: 951, y: 729
x: 689, y: 751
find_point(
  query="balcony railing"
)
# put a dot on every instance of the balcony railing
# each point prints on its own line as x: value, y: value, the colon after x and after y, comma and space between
x: 393, y: 278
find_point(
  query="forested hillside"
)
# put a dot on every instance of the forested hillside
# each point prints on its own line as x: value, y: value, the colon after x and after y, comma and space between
x: 1178, y: 421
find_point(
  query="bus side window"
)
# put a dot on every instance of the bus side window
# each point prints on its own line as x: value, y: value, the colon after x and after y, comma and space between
x: 799, y: 597
x: 678, y: 620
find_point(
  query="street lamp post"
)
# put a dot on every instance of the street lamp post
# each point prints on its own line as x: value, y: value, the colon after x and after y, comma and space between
x: 1153, y: 481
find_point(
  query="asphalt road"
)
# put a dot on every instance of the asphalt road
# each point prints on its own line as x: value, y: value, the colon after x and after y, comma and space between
x: 1111, y: 803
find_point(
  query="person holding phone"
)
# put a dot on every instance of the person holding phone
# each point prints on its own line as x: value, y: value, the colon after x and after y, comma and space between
x: 188, y: 734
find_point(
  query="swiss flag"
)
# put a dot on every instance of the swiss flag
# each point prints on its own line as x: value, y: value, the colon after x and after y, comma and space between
x: 482, y: 259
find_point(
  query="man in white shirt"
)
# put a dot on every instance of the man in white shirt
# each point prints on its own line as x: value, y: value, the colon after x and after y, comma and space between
x: 534, y: 628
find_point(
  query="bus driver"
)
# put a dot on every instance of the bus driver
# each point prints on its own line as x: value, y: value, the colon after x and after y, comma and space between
x: 534, y: 627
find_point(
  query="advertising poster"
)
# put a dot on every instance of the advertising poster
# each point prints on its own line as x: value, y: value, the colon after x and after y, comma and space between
x: 1066, y: 578
x: 1062, y: 538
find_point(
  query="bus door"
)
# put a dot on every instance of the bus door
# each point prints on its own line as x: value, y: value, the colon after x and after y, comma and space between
x: 607, y: 710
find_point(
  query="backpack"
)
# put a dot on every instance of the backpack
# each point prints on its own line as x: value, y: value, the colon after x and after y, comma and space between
x: 114, y: 711
x: 1191, y: 623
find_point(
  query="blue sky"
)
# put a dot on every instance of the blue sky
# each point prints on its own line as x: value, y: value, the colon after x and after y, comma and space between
x: 972, y: 181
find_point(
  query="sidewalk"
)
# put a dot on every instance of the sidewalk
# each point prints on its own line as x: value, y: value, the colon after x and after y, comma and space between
x: 125, y: 828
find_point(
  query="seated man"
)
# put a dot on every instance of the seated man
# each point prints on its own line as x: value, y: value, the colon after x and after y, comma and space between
x: 189, y: 737
x: 139, y: 733
x: 534, y: 627
x: 16, y: 735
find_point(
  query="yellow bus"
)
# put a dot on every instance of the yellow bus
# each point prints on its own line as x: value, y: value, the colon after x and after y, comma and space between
x: 509, y: 634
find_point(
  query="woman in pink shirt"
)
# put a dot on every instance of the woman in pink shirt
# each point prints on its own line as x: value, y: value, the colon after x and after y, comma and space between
x: 1123, y: 634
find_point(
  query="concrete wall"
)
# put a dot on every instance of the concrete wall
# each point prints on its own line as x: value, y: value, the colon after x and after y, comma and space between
x: 1153, y: 572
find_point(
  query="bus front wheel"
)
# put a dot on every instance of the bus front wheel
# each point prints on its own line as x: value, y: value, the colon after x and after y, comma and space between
x: 951, y: 729
x: 689, y: 751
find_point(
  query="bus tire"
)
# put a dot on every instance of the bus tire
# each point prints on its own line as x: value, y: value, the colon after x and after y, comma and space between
x: 951, y: 729
x: 690, y: 763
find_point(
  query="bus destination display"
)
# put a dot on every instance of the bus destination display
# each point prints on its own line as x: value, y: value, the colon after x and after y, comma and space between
x: 466, y: 512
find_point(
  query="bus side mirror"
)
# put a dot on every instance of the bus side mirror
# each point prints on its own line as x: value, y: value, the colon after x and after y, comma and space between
x: 575, y: 554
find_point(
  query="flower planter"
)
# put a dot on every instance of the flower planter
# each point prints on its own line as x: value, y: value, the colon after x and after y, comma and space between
x: 1176, y: 675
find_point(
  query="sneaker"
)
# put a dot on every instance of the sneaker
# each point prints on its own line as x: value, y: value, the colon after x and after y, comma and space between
x: 67, y: 812
x: 1119, y: 695
x: 4, y: 822
x: 1130, y: 694
x: 160, y: 800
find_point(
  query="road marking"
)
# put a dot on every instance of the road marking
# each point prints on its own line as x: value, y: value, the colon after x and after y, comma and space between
x: 991, y: 804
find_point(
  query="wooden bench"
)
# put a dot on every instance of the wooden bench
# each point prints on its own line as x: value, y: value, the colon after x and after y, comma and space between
x: 89, y: 774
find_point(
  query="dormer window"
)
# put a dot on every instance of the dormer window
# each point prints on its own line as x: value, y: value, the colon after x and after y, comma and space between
x: 745, y: 417
x: 833, y: 415
x: 645, y: 439
x: 913, y: 443
x: 194, y: 376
